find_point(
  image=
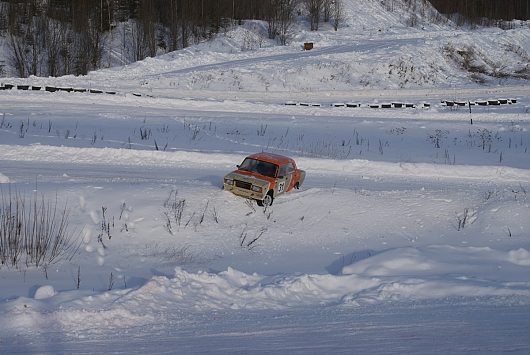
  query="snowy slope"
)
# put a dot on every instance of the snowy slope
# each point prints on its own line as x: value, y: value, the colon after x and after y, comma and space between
x: 410, y: 233
x: 374, y: 49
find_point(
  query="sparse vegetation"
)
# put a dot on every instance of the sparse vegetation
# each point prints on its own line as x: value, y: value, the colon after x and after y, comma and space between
x: 248, y: 240
x: 34, y: 231
x: 463, y: 219
x: 480, y: 65
x: 173, y: 210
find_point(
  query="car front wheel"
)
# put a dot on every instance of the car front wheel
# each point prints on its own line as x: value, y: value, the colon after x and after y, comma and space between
x: 267, y: 200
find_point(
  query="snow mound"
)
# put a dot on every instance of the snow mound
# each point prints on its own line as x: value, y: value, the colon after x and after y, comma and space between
x: 445, y: 271
x: 3, y: 179
x: 44, y: 292
x: 398, y: 274
x: 520, y: 257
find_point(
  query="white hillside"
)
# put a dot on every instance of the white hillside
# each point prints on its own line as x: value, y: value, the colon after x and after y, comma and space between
x: 374, y: 48
x: 410, y: 233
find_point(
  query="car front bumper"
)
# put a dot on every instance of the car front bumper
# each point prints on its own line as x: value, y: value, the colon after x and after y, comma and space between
x: 244, y: 192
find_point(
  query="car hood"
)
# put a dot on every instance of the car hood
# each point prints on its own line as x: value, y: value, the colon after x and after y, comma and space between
x: 258, y: 180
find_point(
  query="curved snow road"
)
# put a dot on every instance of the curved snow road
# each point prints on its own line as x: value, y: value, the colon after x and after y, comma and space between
x: 25, y: 163
x: 366, y: 46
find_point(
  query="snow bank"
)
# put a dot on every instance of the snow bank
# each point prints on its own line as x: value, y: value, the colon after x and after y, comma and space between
x: 431, y: 272
x: 398, y: 274
x: 403, y: 273
x: 3, y: 179
x: 44, y: 292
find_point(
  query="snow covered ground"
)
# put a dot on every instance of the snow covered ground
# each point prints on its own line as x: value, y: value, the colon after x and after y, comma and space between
x: 411, y: 232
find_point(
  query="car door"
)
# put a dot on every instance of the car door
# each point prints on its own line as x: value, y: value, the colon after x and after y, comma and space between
x: 285, y: 178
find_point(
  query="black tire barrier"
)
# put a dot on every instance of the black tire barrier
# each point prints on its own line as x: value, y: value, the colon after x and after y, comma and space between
x: 81, y: 90
x: 492, y: 102
x: 353, y: 105
x: 358, y: 105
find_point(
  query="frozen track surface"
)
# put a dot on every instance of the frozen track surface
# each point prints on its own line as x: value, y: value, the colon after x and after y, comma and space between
x: 394, y: 328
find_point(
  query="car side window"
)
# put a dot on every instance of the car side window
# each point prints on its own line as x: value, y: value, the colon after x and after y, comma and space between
x: 283, y: 170
x: 286, y: 169
x: 290, y: 168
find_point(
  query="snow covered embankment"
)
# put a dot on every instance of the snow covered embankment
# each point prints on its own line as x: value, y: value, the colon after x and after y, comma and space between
x: 3, y: 179
x: 402, y: 274
x: 397, y: 274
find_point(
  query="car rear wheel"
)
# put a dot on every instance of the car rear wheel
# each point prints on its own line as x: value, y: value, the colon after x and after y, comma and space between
x: 267, y: 200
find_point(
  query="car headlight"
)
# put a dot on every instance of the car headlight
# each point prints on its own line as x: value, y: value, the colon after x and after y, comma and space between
x: 229, y: 181
x: 256, y: 188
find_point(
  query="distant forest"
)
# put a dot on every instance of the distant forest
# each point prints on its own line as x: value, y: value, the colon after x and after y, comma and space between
x: 476, y: 11
x: 59, y: 37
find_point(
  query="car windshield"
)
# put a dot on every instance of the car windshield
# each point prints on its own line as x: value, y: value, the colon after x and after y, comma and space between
x: 260, y: 167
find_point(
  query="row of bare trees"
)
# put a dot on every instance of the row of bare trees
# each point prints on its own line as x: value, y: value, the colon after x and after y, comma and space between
x: 478, y: 11
x: 59, y: 37
x: 324, y: 10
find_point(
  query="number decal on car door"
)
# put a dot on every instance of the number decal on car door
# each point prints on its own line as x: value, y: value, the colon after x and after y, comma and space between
x: 281, y: 186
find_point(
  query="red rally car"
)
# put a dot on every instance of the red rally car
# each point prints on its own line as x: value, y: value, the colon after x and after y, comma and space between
x: 264, y: 176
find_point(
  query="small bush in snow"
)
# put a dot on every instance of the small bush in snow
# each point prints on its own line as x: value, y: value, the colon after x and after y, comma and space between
x: 173, y: 210
x: 438, y: 137
x: 467, y: 217
x: 34, y: 231
x: 249, y: 242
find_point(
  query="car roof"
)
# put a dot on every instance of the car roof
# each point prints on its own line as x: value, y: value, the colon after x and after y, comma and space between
x: 271, y: 158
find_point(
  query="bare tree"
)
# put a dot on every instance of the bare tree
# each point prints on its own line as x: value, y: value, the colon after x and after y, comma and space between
x: 173, y: 25
x: 314, y: 8
x: 327, y: 8
x: 148, y: 20
x: 338, y: 14
x: 271, y: 16
x: 27, y: 46
x: 279, y: 16
x: 53, y: 41
x: 18, y: 56
x: 136, y: 41
x: 285, y: 19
